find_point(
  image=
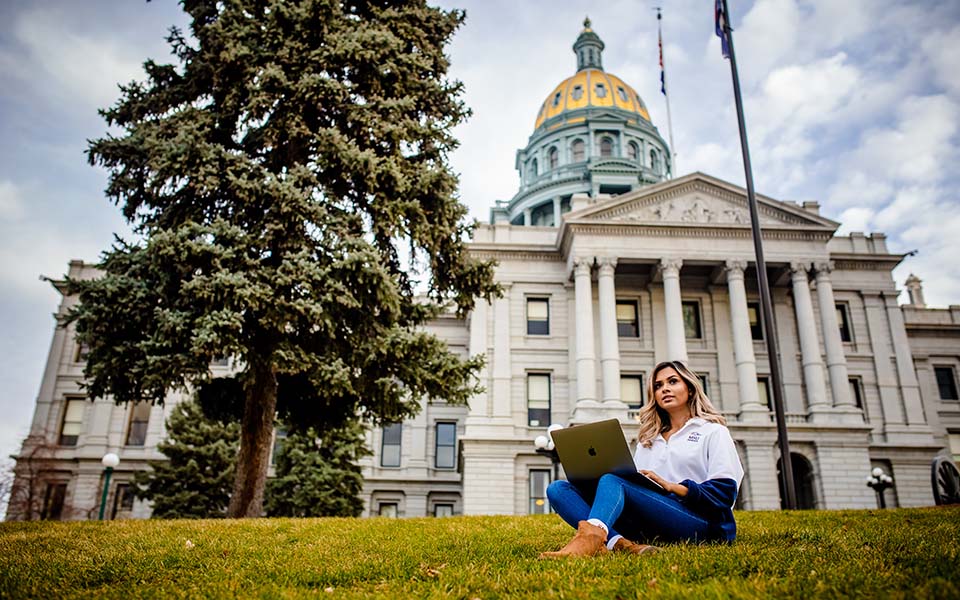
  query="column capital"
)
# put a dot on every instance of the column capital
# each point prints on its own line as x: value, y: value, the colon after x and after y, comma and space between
x: 798, y: 268
x: 582, y: 265
x: 671, y: 264
x: 823, y: 268
x: 607, y: 261
x: 607, y: 266
x: 735, y: 268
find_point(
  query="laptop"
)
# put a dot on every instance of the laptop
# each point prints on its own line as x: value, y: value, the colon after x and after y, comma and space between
x: 595, y: 449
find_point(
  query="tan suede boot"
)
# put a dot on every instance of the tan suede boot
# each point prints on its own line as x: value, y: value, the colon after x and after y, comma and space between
x: 625, y: 545
x: 589, y: 541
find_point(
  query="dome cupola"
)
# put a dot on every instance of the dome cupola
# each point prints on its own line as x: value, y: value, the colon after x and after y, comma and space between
x: 588, y: 48
x: 593, y: 135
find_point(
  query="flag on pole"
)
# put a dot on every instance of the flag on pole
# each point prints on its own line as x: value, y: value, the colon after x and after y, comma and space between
x: 720, y: 19
x: 663, y: 76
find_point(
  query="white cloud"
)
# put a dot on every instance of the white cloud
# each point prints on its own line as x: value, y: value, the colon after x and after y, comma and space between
x: 942, y: 50
x: 857, y: 218
x: 11, y: 202
x: 921, y: 146
x: 74, y: 67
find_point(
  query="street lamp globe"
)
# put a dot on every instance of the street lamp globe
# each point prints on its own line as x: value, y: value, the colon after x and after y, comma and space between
x: 877, y: 471
x: 110, y: 460
x: 541, y: 442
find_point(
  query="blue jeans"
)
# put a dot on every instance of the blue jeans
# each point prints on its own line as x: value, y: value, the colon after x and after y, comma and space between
x: 628, y: 509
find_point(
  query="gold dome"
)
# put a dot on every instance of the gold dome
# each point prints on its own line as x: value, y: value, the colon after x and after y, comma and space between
x: 591, y: 88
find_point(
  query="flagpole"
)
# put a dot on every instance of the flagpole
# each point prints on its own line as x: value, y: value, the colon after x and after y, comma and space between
x: 773, y: 350
x: 666, y: 96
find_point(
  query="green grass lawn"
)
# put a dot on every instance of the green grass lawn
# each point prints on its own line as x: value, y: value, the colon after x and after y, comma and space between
x: 909, y: 553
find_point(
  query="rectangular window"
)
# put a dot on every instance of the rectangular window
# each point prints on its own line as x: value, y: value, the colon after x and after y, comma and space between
x: 843, y: 322
x: 446, y: 445
x: 538, y: 316
x: 82, y: 351
x: 763, y: 392
x: 856, y: 392
x: 122, y: 501
x: 539, y: 480
x: 279, y: 438
x: 538, y: 399
x: 946, y: 382
x: 139, y: 419
x: 387, y: 509
x: 72, y: 421
x: 390, y: 449
x: 756, y: 325
x: 953, y: 439
x: 443, y: 510
x: 704, y: 380
x: 691, y: 319
x: 53, y: 501
x: 627, y: 324
x: 631, y: 391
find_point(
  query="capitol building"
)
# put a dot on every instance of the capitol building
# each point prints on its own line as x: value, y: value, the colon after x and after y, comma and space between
x: 610, y: 262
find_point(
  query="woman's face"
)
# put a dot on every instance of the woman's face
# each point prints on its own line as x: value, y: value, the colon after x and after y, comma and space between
x: 669, y: 390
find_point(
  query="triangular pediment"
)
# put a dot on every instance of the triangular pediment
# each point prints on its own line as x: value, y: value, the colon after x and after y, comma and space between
x: 697, y: 200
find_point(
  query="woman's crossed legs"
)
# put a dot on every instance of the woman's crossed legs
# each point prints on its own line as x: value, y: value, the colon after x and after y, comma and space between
x: 628, y: 509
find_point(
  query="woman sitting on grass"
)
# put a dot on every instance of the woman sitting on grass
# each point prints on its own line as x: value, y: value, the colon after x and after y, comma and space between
x: 685, y: 447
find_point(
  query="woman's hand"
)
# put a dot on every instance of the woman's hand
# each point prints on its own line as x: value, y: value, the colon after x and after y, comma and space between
x: 676, y: 488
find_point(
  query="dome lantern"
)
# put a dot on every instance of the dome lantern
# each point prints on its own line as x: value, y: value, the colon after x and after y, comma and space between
x: 588, y: 48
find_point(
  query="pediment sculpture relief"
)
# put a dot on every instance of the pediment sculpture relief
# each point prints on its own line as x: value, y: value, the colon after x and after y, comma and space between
x: 692, y: 209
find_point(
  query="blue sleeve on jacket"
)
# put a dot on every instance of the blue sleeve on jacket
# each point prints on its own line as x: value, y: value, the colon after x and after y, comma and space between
x: 713, y: 500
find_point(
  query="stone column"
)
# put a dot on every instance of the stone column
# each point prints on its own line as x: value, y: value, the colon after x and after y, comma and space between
x: 502, y: 374
x: 909, y: 386
x: 750, y: 407
x: 609, y: 337
x: 479, y: 406
x: 586, y: 358
x: 881, y: 348
x: 556, y: 212
x: 676, y: 337
x: 809, y: 344
x: 836, y: 360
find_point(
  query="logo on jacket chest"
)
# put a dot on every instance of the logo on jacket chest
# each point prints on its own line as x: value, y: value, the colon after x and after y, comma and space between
x: 694, y: 437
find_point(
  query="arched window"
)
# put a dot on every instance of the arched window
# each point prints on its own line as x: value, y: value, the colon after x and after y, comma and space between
x: 577, y: 92
x: 556, y: 98
x: 633, y: 151
x: 533, y: 168
x: 554, y: 157
x: 606, y: 147
x: 654, y: 162
x: 577, y: 151
x: 601, y: 90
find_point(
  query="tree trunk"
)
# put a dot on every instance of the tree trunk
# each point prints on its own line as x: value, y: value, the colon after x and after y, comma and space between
x: 256, y: 433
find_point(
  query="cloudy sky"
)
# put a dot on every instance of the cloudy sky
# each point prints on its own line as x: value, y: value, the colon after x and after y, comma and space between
x: 854, y: 104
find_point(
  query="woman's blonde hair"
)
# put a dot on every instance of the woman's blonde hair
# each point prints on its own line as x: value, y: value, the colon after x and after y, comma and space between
x: 654, y: 420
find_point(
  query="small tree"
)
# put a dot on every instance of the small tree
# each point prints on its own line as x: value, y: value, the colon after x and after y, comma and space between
x: 195, y: 480
x: 317, y: 475
x: 26, y: 490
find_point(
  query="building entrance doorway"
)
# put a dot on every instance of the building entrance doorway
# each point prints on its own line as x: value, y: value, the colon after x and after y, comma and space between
x: 802, y: 482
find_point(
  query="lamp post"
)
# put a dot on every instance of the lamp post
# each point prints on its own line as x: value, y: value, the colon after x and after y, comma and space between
x: 109, y: 461
x: 879, y: 482
x: 543, y: 445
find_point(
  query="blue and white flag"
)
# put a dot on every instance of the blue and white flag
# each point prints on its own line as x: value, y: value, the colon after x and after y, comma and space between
x: 720, y: 18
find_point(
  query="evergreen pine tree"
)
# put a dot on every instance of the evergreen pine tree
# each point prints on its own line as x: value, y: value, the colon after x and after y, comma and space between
x: 195, y: 480
x: 282, y: 176
x: 317, y: 475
